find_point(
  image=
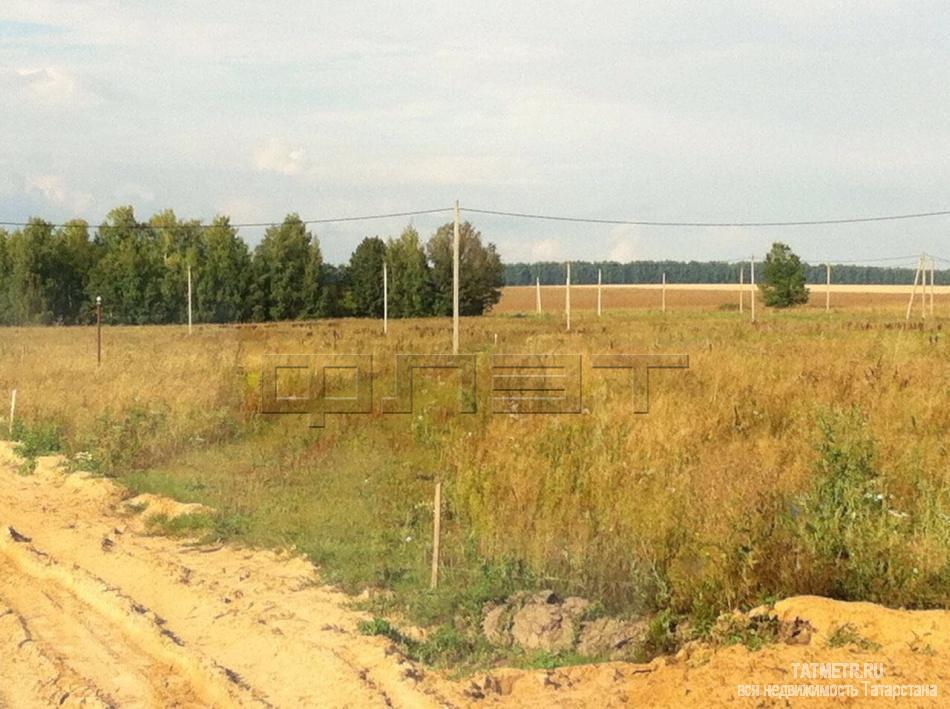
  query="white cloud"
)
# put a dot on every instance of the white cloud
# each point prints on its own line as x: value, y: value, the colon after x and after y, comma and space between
x: 277, y: 155
x: 47, y: 85
x: 55, y: 191
x: 546, y: 250
x: 623, y: 245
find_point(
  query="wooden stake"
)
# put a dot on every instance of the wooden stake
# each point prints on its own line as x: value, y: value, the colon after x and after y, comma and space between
x: 537, y: 293
x: 913, y: 291
x: 828, y: 288
x: 752, y: 285
x: 189, y: 298
x: 663, y: 294
x: 436, y: 533
x: 455, y: 283
x: 567, y: 296
x: 385, y: 301
x: 12, y: 411
x: 599, y: 294
x: 741, y: 288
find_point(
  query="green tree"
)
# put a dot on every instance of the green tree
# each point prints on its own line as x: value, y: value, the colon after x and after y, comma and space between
x: 32, y: 274
x: 410, y: 286
x: 283, y: 264
x: 180, y: 245
x: 366, y: 278
x: 129, y: 271
x: 74, y: 257
x: 481, y: 274
x: 223, y: 280
x: 783, y: 280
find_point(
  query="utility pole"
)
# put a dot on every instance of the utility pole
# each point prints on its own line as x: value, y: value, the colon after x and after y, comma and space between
x: 663, y: 294
x: 913, y: 290
x: 455, y: 283
x: 537, y: 294
x: 828, y: 288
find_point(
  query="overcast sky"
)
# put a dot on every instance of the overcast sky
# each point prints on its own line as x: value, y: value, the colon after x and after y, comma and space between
x: 673, y: 111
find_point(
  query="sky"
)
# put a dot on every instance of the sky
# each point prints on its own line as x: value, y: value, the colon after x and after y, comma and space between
x: 666, y: 111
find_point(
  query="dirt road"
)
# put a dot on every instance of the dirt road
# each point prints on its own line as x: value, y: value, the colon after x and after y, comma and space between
x: 95, y: 613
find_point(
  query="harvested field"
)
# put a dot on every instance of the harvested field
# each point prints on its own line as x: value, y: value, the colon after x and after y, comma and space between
x: 713, y: 296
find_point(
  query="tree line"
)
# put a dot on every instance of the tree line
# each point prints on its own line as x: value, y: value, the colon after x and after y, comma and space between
x: 585, y: 272
x: 52, y: 274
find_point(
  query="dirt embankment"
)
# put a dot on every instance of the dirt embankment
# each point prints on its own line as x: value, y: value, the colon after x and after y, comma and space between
x: 95, y: 613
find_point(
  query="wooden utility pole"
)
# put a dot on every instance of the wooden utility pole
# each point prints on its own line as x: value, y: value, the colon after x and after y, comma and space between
x: 599, y: 292
x: 98, y: 329
x: 741, y: 287
x: 455, y: 283
x: 567, y: 296
x: 436, y: 533
x: 189, y: 298
x: 828, y: 288
x: 385, y: 300
x: 663, y: 294
x: 913, y: 290
x: 752, y: 285
x: 537, y: 294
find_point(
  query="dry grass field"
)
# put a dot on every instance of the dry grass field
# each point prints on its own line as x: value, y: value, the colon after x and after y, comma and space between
x: 804, y: 454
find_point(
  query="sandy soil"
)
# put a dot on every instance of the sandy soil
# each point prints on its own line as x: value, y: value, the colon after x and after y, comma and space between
x: 93, y: 612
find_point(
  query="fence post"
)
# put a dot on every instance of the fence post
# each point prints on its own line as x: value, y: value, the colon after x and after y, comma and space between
x: 12, y: 411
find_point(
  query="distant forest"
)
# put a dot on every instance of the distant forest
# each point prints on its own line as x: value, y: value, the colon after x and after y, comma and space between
x: 585, y: 272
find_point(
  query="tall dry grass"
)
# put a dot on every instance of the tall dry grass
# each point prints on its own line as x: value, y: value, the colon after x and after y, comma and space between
x: 715, y: 498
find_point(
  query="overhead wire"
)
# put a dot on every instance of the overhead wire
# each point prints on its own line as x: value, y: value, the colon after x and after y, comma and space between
x: 637, y: 222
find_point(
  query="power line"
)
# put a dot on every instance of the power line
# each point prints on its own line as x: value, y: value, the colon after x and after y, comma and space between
x: 633, y: 222
x: 248, y: 225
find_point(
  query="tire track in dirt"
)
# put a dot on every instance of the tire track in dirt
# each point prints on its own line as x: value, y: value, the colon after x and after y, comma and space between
x: 136, y: 620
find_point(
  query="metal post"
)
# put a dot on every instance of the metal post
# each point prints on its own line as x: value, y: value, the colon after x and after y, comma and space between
x: 98, y: 329
x: 189, y: 298
x: 455, y: 284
